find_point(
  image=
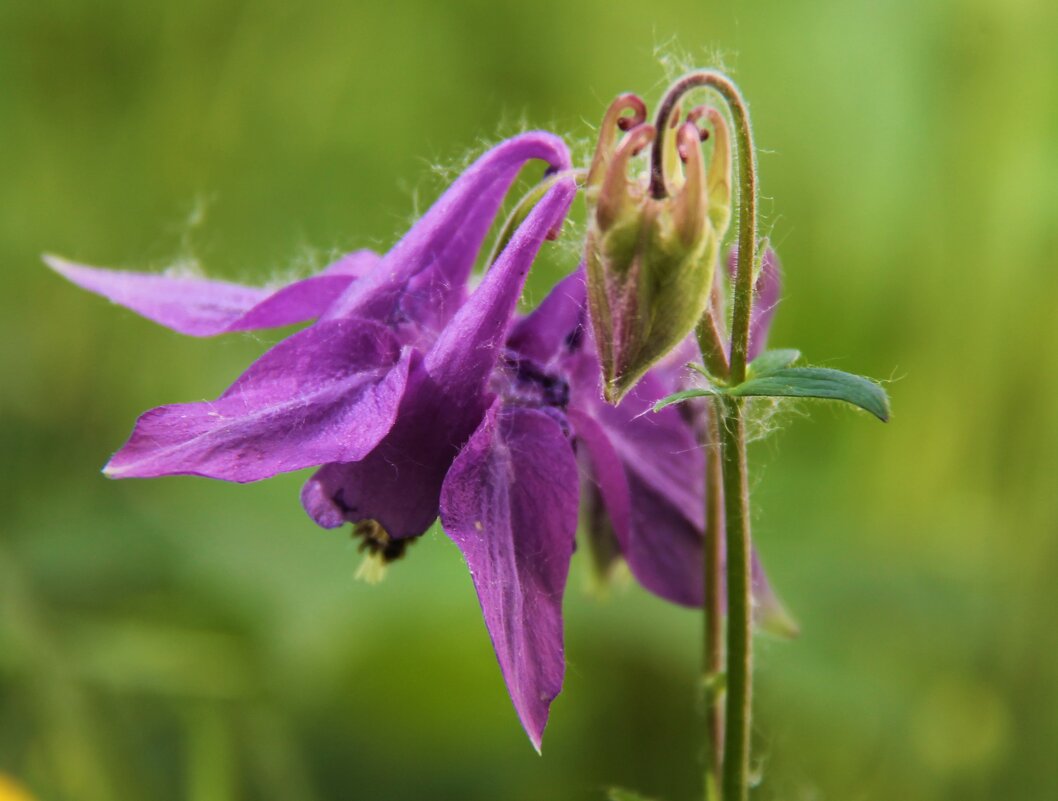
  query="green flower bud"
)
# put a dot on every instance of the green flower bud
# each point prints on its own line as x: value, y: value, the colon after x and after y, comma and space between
x: 650, y: 260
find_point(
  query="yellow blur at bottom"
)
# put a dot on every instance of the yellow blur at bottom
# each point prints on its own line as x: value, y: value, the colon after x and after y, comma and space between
x: 11, y: 791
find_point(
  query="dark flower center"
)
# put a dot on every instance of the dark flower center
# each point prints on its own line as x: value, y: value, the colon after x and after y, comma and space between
x: 529, y: 385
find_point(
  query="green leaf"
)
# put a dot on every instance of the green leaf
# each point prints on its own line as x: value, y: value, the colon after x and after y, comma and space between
x: 813, y: 382
x: 701, y: 368
x: 772, y: 360
x: 620, y: 794
x: 687, y: 394
x: 771, y: 376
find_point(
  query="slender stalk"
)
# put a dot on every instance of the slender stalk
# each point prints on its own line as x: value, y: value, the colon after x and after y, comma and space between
x: 738, y: 677
x: 713, y: 634
x: 711, y: 344
x: 525, y: 205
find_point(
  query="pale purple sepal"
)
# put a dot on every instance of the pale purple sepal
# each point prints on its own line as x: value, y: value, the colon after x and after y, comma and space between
x: 766, y: 294
x: 422, y: 279
x: 510, y: 504
x: 328, y: 393
x: 203, y: 308
x: 399, y: 483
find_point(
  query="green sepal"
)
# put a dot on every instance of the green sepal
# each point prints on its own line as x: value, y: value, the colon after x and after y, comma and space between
x: 772, y: 360
x: 798, y: 382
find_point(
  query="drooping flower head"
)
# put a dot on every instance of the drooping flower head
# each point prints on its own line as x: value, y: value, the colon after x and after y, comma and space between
x: 415, y: 399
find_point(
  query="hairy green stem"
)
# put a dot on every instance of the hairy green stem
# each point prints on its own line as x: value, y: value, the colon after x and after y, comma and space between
x: 739, y: 678
x: 526, y: 205
x: 711, y: 344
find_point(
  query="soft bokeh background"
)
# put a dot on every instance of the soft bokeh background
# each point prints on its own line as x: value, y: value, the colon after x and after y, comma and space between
x: 181, y: 639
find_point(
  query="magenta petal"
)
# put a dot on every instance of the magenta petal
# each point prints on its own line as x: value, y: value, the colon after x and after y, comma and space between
x: 468, y: 347
x: 328, y: 393
x: 608, y: 474
x: 665, y: 552
x: 766, y: 293
x: 355, y: 264
x: 510, y: 504
x: 203, y: 308
x: 659, y: 448
x: 422, y: 279
x: 663, y: 479
x: 399, y: 483
x: 542, y: 334
x: 662, y: 547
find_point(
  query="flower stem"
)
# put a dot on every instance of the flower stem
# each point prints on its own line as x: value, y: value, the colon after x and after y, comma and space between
x: 526, y: 204
x: 711, y: 345
x: 739, y: 676
x: 732, y: 430
x: 713, y: 634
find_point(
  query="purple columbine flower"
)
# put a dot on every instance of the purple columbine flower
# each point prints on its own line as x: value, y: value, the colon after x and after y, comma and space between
x: 387, y: 393
x: 416, y: 400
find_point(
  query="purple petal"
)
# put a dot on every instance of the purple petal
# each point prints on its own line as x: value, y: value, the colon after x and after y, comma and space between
x: 203, y: 308
x: 328, y: 393
x: 422, y: 279
x: 510, y: 504
x: 766, y: 294
x: 663, y: 479
x: 541, y: 335
x: 608, y: 474
x: 399, y: 483
x: 467, y: 349
x: 660, y: 449
x: 658, y: 516
x: 665, y: 551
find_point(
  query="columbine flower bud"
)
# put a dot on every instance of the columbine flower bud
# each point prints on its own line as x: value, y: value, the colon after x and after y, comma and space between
x: 651, y: 251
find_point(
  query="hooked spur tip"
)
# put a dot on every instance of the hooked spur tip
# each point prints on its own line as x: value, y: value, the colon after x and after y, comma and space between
x: 630, y: 102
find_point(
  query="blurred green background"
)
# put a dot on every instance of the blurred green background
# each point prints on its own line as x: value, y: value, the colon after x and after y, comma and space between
x: 182, y: 639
